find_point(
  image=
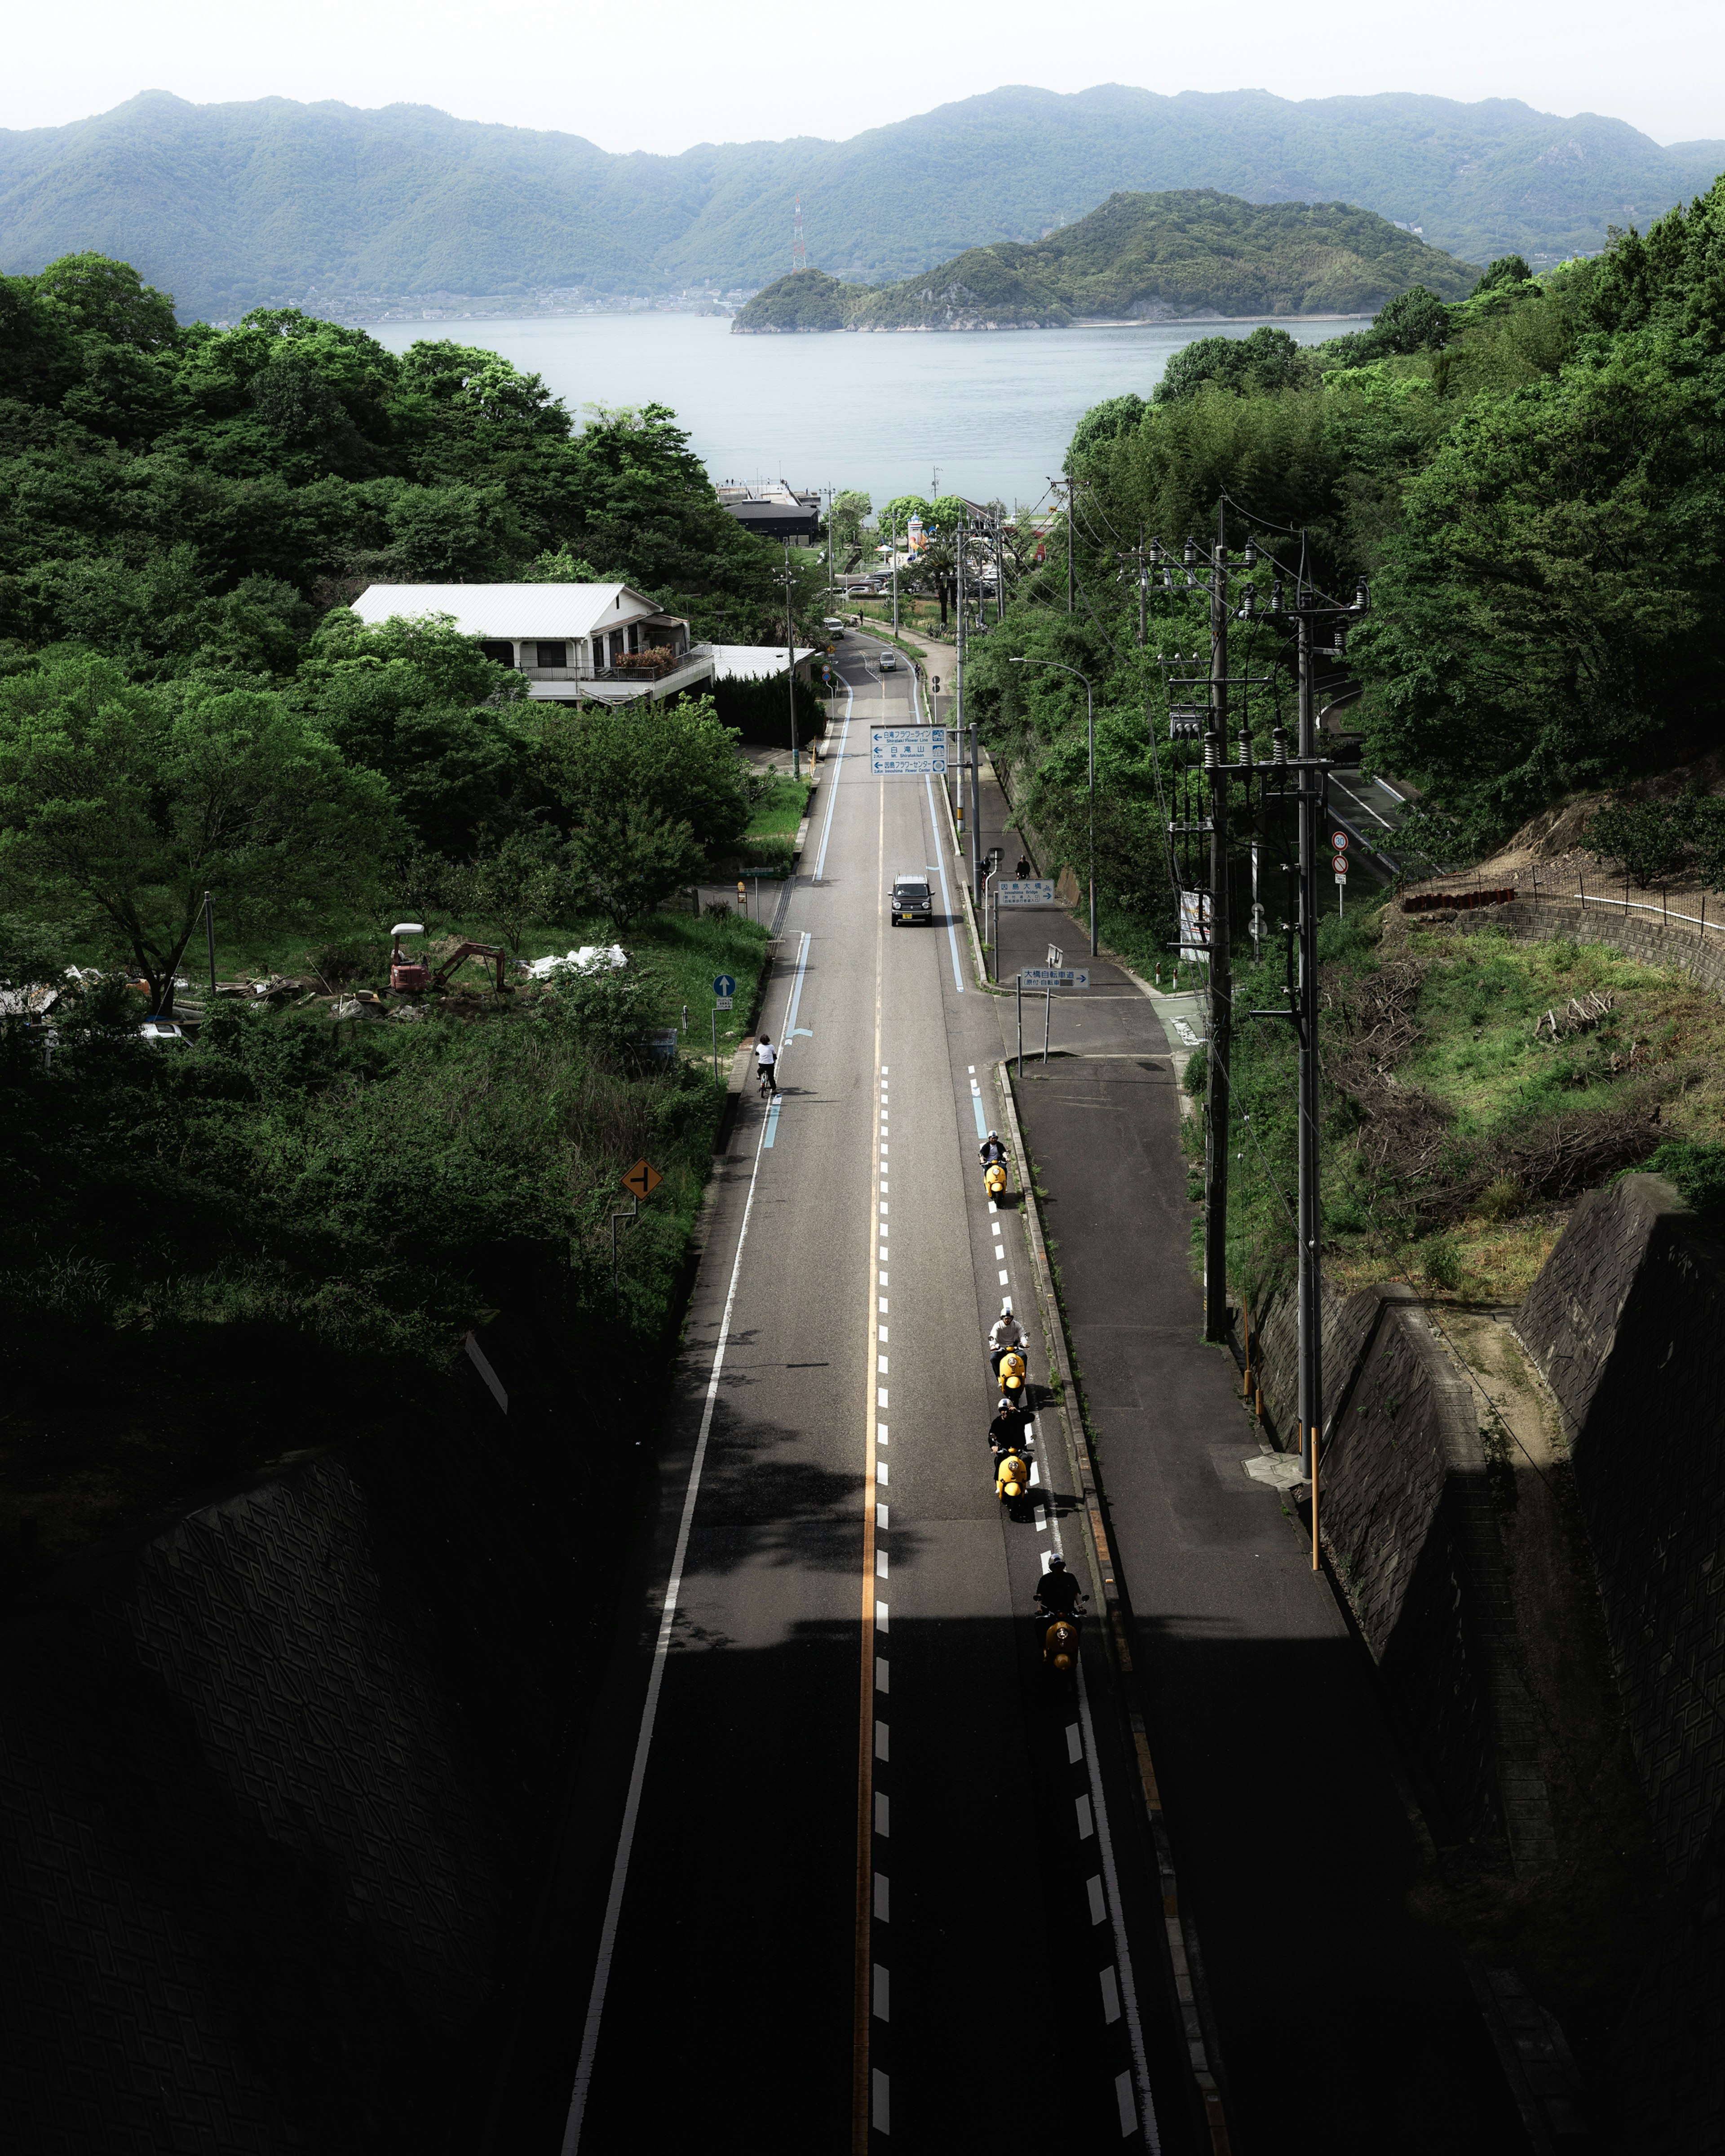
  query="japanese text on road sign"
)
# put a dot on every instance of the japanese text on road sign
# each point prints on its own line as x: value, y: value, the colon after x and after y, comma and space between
x: 643, y: 1179
x: 1054, y: 976
x: 908, y: 751
x: 1024, y: 891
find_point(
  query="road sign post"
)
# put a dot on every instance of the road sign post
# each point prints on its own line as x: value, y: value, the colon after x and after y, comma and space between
x: 724, y: 995
x: 641, y: 1181
x: 1338, y: 862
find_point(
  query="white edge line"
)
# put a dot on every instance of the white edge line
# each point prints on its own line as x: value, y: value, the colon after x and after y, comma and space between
x: 826, y: 828
x: 939, y: 851
x: 1129, y: 1994
x: 638, y: 1772
x: 1104, y: 1839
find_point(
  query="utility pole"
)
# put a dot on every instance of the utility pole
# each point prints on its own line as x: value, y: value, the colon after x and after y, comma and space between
x: 790, y: 664
x: 1144, y: 591
x: 1072, y: 580
x: 894, y: 579
x: 1311, y: 788
x: 1221, y: 1002
x: 976, y: 843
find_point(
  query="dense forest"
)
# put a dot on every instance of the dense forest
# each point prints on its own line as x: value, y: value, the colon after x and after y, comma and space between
x: 1139, y: 258
x: 235, y: 206
x: 1532, y: 478
x: 1533, y: 481
x: 188, y: 706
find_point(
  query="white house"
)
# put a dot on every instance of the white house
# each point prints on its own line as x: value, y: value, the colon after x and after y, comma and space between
x: 573, y: 642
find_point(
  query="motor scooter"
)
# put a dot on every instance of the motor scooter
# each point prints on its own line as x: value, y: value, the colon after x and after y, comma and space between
x: 1011, y: 1375
x: 1011, y: 1475
x: 995, y: 1181
x: 1060, y: 1647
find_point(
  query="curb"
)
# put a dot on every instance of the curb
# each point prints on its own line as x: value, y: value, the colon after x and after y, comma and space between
x: 1182, y: 1941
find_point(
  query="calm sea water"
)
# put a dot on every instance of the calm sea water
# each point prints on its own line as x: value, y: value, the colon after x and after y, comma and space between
x: 990, y: 412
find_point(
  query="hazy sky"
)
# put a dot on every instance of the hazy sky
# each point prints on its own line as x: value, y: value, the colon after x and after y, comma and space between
x: 672, y: 73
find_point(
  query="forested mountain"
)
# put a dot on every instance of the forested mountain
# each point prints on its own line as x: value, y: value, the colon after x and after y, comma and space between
x: 230, y: 205
x: 1139, y: 258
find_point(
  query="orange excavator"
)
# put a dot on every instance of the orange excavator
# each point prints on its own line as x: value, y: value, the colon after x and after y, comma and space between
x: 412, y: 976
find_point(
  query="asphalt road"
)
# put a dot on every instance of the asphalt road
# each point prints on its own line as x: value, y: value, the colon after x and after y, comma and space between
x: 841, y: 1870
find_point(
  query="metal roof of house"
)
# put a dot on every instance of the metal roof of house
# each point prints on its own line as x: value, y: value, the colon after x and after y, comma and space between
x: 511, y: 610
x: 753, y: 662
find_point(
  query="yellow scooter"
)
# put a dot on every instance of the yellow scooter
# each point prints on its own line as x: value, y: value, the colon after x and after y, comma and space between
x: 1012, y: 1477
x: 995, y: 1181
x: 1013, y: 1375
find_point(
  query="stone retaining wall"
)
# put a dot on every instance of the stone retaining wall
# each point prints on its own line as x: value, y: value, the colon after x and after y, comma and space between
x: 1406, y: 1516
x: 246, y: 1903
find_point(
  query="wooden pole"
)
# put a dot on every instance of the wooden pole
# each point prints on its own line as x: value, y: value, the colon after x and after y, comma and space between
x: 1314, y: 1499
x: 1245, y: 1314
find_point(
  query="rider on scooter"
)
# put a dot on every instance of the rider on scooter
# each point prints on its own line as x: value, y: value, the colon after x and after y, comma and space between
x: 992, y: 1148
x: 1058, y: 1593
x: 1010, y: 1429
x: 1004, y: 1335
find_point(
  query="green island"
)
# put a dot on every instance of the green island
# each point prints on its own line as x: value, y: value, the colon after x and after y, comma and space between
x: 1176, y: 256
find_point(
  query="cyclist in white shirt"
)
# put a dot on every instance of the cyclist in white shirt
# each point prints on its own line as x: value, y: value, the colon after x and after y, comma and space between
x: 766, y: 1062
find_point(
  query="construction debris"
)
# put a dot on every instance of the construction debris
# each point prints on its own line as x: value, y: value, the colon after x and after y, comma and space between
x: 590, y: 958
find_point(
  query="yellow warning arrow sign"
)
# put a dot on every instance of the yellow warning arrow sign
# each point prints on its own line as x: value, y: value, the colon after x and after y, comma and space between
x: 643, y: 1179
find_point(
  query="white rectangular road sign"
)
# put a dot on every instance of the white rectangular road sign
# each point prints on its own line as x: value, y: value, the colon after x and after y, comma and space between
x: 724, y: 1003
x: 1054, y: 976
x: 1024, y: 891
x: 908, y: 751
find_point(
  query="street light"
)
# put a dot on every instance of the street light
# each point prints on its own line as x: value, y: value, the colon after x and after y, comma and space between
x: 1089, y: 707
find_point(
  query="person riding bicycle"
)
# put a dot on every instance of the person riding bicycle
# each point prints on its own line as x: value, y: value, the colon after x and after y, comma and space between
x: 991, y: 1149
x: 766, y: 1063
x: 1058, y: 1593
x: 1023, y: 869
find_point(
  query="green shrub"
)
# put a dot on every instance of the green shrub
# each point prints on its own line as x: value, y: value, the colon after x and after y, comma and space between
x: 1697, y: 1166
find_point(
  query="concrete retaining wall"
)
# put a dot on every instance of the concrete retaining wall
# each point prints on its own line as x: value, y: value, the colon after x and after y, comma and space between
x: 247, y: 1904
x: 1624, y: 1320
x: 1407, y: 1518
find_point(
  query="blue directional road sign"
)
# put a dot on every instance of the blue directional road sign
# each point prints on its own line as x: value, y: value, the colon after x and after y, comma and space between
x: 724, y: 984
x: 908, y: 751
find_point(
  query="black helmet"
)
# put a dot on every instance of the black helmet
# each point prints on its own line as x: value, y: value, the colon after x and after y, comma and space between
x: 1057, y: 1564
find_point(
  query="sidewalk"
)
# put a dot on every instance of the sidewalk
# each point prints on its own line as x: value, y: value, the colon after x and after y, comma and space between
x: 1295, y: 1850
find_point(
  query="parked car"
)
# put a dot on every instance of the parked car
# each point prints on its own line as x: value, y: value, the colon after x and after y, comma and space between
x: 910, y: 901
x: 833, y: 627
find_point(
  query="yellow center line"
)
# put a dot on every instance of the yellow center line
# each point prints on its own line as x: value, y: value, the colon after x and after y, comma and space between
x: 859, y: 2078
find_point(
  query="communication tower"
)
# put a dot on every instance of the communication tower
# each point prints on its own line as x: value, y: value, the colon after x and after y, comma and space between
x: 799, y: 252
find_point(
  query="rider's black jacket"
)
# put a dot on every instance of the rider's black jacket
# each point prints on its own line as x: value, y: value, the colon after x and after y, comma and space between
x: 1008, y: 1427
x: 991, y: 1149
x: 1058, y: 1590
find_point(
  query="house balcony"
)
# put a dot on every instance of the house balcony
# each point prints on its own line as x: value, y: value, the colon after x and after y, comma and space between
x: 659, y: 678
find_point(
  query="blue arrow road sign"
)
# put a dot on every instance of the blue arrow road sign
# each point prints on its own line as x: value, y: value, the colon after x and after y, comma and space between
x: 724, y: 984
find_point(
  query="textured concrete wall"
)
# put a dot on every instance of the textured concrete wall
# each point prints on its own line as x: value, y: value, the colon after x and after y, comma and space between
x: 245, y: 1902
x: 1624, y: 1321
x: 1407, y: 1518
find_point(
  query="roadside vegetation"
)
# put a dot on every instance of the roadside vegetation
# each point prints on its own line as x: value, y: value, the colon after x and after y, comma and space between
x: 279, y: 1228
x: 1474, y: 1087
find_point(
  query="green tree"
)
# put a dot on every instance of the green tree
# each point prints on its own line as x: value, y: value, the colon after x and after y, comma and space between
x: 131, y: 803
x: 626, y: 860
x: 674, y: 762
x: 1268, y: 359
x: 417, y: 701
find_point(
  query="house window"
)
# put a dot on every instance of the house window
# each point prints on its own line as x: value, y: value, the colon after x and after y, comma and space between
x: 552, y: 655
x: 502, y: 655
